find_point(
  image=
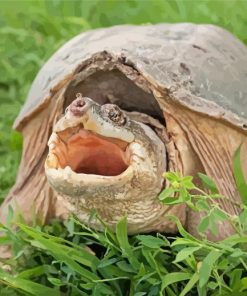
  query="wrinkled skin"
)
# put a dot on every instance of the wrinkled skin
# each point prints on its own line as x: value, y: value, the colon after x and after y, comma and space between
x: 99, y: 159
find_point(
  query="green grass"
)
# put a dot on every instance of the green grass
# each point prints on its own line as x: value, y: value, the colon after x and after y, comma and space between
x: 71, y: 259
x: 30, y: 31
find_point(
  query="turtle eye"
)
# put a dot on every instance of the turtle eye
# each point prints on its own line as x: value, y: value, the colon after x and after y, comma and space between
x: 114, y: 113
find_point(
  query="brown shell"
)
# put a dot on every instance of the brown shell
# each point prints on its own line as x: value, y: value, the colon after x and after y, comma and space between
x: 203, y: 67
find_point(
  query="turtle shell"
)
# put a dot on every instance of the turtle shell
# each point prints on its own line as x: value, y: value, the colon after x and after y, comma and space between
x: 202, y: 67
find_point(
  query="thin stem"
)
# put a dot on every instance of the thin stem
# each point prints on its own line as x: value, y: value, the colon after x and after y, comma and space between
x: 244, y: 265
x: 225, y: 197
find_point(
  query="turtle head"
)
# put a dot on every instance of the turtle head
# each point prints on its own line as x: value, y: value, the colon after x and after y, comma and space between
x: 91, y: 139
x: 97, y: 153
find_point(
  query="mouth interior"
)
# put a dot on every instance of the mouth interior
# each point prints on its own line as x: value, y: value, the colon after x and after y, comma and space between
x: 89, y: 153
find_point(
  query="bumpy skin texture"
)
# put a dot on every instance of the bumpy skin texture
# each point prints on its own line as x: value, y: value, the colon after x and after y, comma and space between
x: 201, y: 66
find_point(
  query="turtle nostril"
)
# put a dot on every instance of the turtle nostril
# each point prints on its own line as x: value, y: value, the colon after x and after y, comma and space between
x: 79, y: 100
x: 77, y: 106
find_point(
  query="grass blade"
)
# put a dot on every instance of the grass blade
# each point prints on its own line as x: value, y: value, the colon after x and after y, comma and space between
x: 208, y: 183
x: 58, y: 253
x: 207, y: 267
x: 27, y: 286
x: 174, y: 277
x: 122, y: 236
x: 190, y: 284
x: 239, y: 176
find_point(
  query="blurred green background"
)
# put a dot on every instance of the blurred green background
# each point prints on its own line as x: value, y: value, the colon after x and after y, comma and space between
x: 30, y: 31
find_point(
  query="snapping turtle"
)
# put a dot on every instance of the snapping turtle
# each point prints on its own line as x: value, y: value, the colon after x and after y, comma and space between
x: 189, y: 79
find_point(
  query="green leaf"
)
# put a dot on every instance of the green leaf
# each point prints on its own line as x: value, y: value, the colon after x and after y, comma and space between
x: 105, y: 263
x: 167, y: 192
x: 243, y: 284
x: 208, y: 183
x: 213, y: 226
x: 185, y: 253
x: 55, y: 281
x: 174, y: 277
x: 219, y: 215
x: 184, y: 195
x: 233, y: 240
x: 180, y: 227
x: 122, y: 237
x: 212, y: 285
x: 27, y: 286
x: 10, y: 216
x: 63, y: 253
x: 203, y: 225
x: 203, y: 205
x: 223, y: 264
x: 70, y: 225
x: 149, y: 256
x: 148, y: 277
x: 102, y: 289
x: 207, y: 267
x: 124, y: 266
x: 243, y: 219
x: 239, y: 176
x: 172, y: 201
x: 194, y: 279
x: 142, y: 271
x: 172, y: 176
x: 151, y: 241
x: 238, y: 253
x: 184, y: 241
x: 235, y: 277
x: 36, y: 271
x: 154, y: 291
x: 188, y: 182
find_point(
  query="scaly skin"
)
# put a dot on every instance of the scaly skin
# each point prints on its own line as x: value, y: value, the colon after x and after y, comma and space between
x: 132, y: 192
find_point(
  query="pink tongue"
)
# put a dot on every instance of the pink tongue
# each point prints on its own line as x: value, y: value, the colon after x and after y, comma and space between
x: 89, y: 154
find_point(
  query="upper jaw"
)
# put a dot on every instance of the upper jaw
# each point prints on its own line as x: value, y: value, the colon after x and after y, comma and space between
x: 91, y: 120
x: 86, y: 126
x: 71, y: 119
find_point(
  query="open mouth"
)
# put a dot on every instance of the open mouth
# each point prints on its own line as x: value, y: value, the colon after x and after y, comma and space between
x: 86, y: 152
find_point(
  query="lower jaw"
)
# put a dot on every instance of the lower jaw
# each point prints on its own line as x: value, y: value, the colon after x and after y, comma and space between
x: 68, y: 183
x: 111, y: 198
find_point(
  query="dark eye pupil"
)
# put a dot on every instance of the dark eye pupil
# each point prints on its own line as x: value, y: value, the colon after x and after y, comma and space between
x: 114, y: 115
